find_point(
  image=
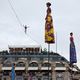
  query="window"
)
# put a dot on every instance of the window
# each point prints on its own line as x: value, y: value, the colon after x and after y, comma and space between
x: 20, y: 64
x: 19, y: 78
x: 46, y: 65
x: 4, y: 79
x: 19, y: 73
x: 25, y: 79
x: 33, y: 64
x: 6, y: 73
x: 34, y: 78
x: 59, y: 76
x: 46, y: 77
x: 60, y: 65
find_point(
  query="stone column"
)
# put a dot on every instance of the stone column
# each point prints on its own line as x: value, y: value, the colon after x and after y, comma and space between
x: 26, y: 67
x: 66, y: 73
x: 0, y: 67
x: 53, y: 71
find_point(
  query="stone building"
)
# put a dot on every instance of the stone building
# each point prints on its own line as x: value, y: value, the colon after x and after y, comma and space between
x: 31, y: 63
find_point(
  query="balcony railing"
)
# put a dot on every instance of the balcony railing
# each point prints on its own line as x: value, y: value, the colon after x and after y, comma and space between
x: 52, y: 56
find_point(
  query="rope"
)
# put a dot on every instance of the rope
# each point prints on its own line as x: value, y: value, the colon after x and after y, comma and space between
x: 15, y: 13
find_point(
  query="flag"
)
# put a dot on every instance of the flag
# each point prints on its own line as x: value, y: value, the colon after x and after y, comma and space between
x: 72, y: 50
x: 12, y: 73
x: 49, y: 30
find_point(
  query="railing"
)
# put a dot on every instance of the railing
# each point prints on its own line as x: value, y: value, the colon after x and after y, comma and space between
x: 26, y: 55
x: 52, y: 56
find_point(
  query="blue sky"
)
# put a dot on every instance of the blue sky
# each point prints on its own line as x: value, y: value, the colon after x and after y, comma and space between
x: 66, y: 19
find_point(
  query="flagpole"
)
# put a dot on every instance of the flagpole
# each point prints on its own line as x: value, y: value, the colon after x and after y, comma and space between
x: 71, y: 76
x: 56, y: 42
x: 48, y: 58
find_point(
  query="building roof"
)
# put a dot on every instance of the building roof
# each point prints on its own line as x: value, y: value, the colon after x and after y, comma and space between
x: 22, y: 41
x: 19, y: 40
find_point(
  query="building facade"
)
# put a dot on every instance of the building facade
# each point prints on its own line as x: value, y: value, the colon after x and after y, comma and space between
x: 36, y: 65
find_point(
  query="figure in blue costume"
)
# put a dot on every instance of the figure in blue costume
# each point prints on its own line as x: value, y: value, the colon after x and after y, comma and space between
x: 13, y: 72
x: 72, y: 50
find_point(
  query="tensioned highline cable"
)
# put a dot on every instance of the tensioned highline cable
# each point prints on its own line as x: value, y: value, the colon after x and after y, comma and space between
x: 15, y: 13
x: 19, y: 19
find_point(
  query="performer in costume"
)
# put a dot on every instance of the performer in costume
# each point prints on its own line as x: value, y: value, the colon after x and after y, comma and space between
x: 49, y: 31
x: 72, y: 50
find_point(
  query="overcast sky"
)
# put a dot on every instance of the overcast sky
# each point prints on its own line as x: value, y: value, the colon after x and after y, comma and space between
x: 66, y: 19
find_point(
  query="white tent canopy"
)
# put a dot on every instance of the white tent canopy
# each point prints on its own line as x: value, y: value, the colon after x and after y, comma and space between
x: 24, y: 41
x: 18, y: 40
